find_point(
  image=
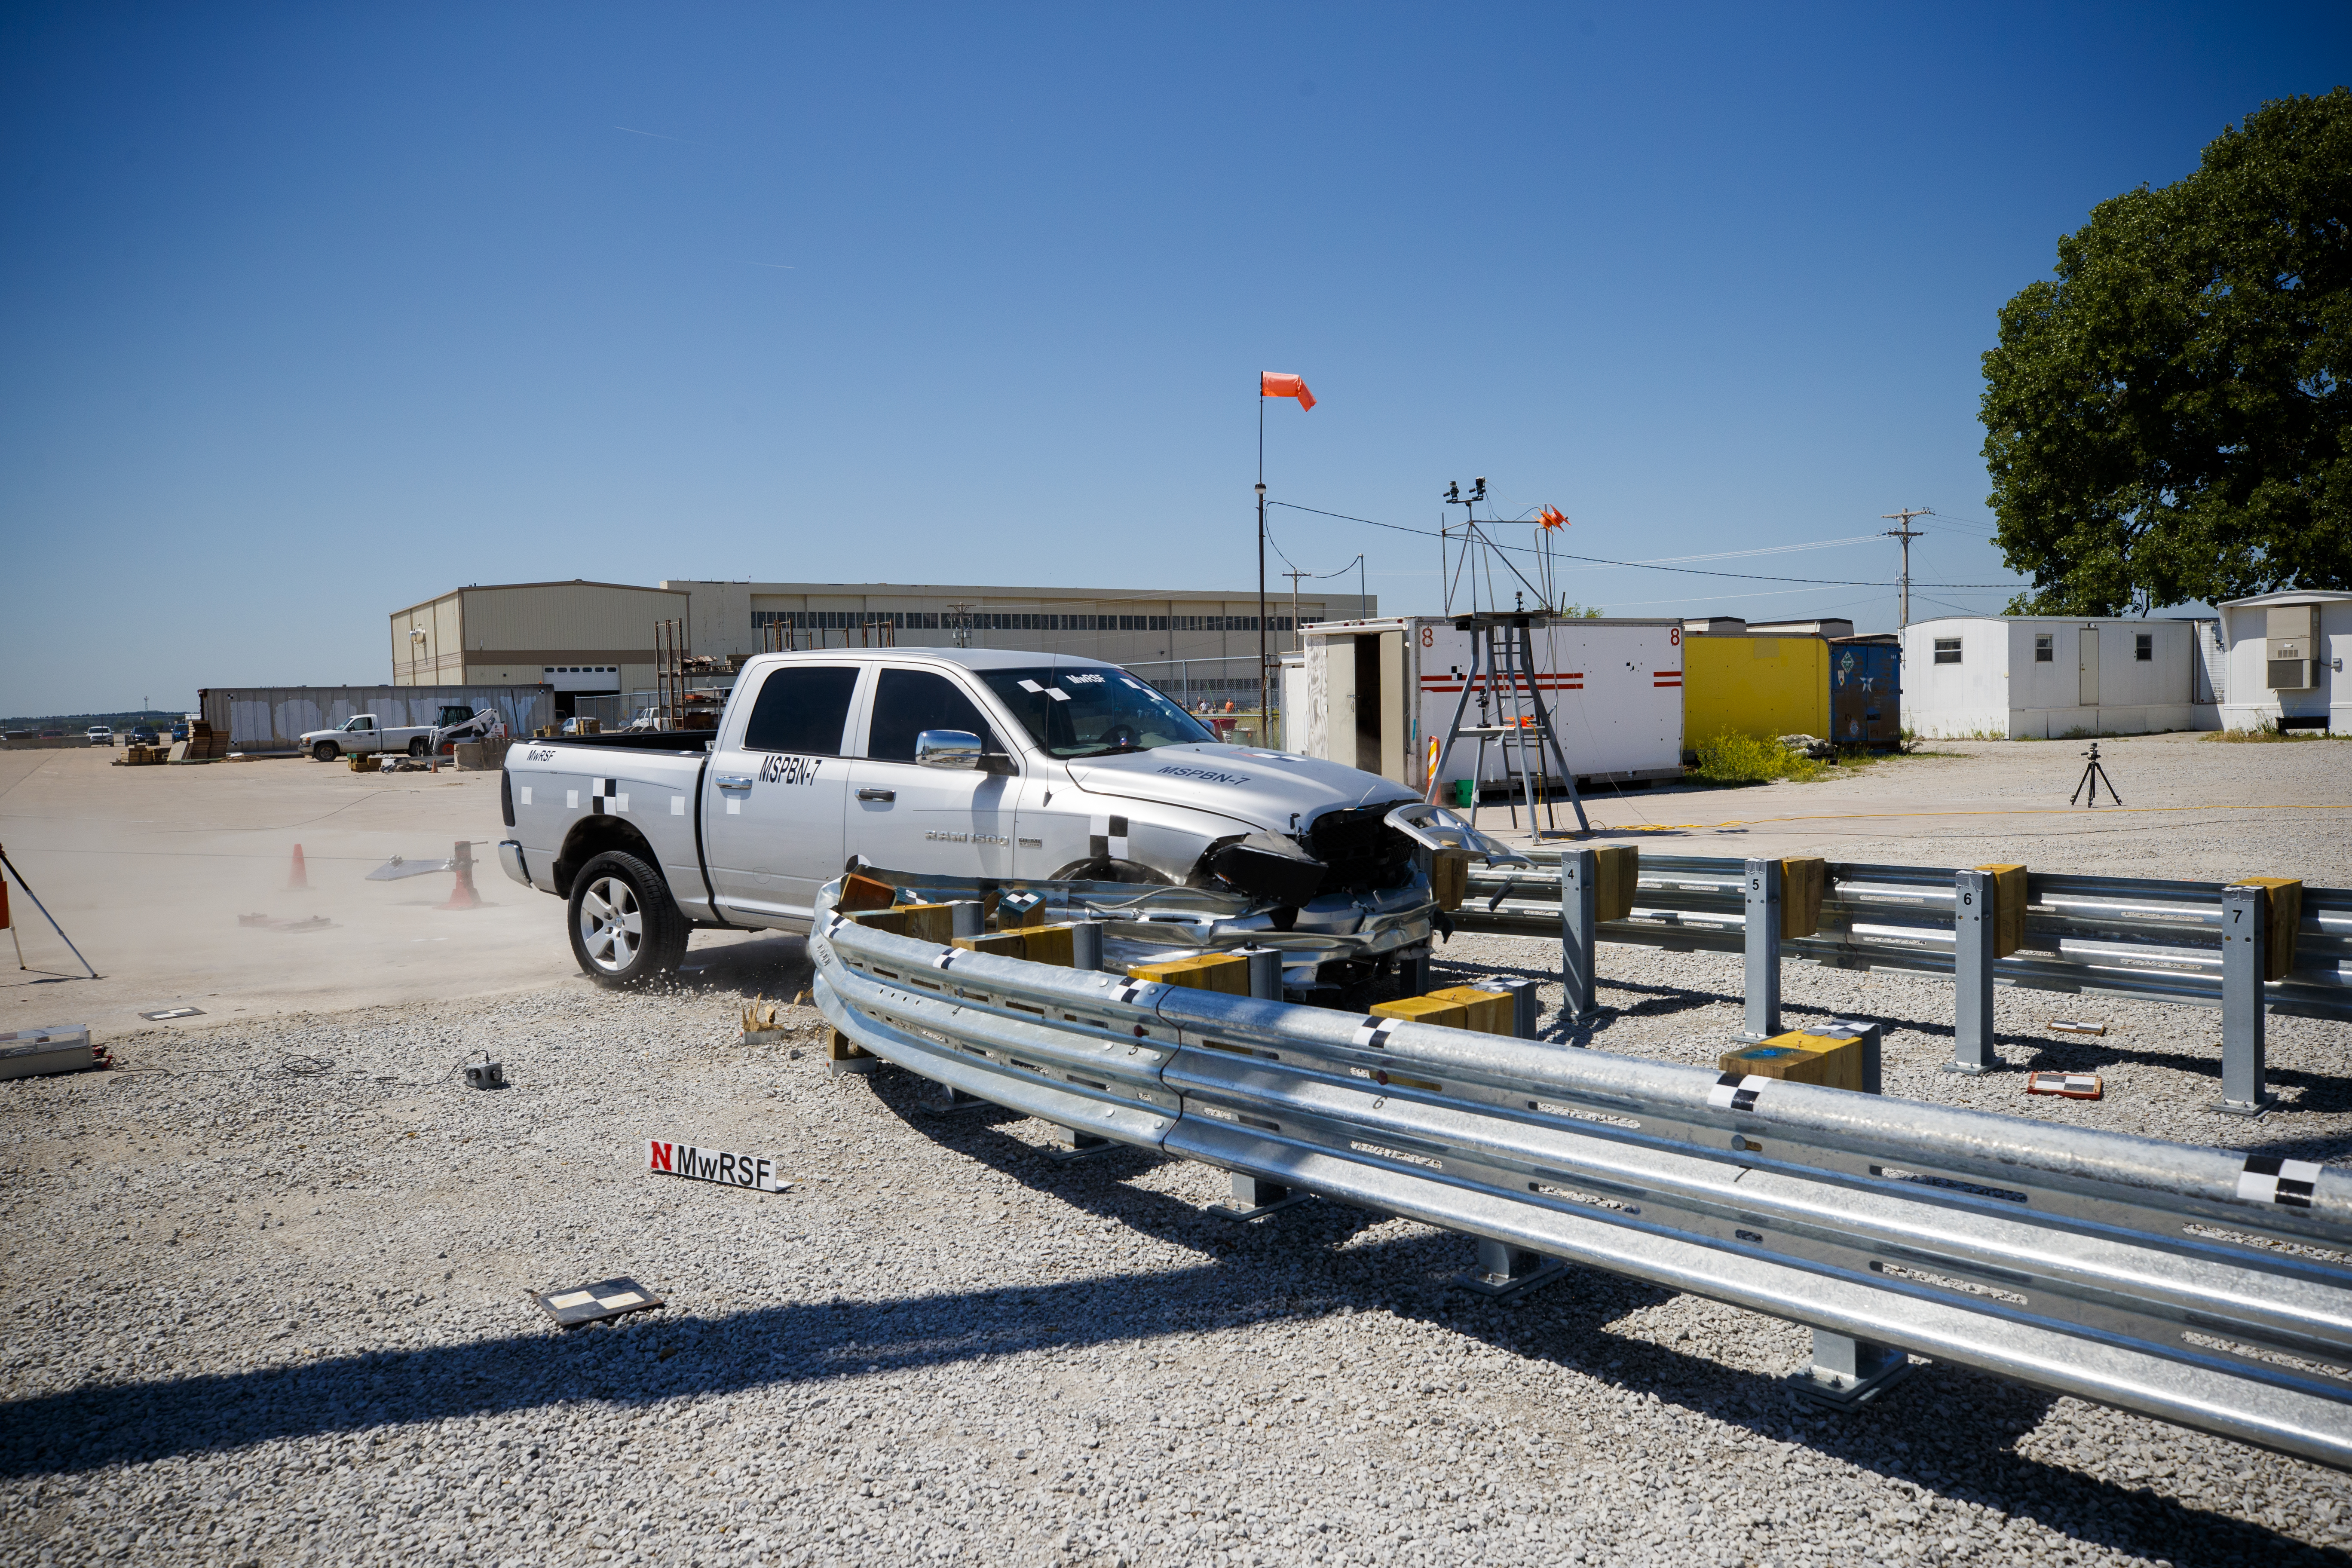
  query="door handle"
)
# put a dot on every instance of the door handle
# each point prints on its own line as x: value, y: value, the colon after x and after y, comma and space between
x: 733, y: 781
x: 881, y: 795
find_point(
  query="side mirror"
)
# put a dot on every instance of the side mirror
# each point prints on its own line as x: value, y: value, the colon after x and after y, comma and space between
x: 947, y: 749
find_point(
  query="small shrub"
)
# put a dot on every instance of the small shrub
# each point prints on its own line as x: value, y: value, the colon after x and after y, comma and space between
x: 1732, y: 759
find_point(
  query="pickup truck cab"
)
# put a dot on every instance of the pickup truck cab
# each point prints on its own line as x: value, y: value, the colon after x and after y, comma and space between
x: 979, y: 767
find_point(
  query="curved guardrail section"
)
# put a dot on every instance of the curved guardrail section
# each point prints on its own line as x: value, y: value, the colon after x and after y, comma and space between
x: 2209, y: 1289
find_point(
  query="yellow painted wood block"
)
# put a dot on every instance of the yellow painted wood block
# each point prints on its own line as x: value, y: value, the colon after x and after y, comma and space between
x: 1615, y: 870
x: 2008, y: 908
x: 927, y: 923
x: 1831, y: 1061
x: 1426, y: 1010
x: 1802, y: 882
x: 1484, y: 1012
x: 892, y: 920
x: 1004, y: 945
x: 1449, y: 877
x: 1224, y: 973
x: 2286, y: 917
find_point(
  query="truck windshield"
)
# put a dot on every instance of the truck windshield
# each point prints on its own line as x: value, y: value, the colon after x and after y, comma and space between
x: 1092, y: 712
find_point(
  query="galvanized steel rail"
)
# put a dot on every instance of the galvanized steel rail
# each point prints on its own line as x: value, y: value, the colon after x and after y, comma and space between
x: 2207, y: 1288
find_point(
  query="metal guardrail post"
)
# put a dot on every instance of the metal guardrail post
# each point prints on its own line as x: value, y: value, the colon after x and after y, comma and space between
x: 1976, y: 931
x: 2246, y: 943
x: 1505, y: 1270
x: 1265, y: 973
x: 1846, y: 1372
x: 1580, y: 936
x: 1416, y: 975
x: 968, y: 917
x: 1763, y: 890
x: 1527, y: 1002
x: 1086, y: 945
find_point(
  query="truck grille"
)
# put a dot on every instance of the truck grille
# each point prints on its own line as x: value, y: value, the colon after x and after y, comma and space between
x: 1363, y: 852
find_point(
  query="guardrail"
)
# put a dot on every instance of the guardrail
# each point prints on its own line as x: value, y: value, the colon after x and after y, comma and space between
x: 2159, y: 940
x: 2206, y: 1288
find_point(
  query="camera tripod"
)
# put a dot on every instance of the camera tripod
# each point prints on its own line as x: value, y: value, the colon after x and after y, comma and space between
x: 2092, y: 777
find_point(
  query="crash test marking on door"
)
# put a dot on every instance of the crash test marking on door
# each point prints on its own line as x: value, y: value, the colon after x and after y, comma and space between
x: 753, y: 1173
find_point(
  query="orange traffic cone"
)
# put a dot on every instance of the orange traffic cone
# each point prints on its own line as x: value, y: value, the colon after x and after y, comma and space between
x: 298, y: 878
x: 464, y: 896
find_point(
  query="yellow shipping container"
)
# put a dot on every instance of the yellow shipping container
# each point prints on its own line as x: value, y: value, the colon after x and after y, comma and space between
x: 1763, y: 687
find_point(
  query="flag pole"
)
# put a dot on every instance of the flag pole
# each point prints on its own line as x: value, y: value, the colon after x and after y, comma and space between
x: 1265, y: 718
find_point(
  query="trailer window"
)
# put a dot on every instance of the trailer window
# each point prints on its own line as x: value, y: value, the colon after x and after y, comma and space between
x: 1948, y: 650
x: 2144, y: 646
x: 801, y: 707
x: 2045, y: 650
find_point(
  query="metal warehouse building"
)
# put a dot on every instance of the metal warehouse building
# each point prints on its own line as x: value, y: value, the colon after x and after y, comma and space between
x: 597, y: 639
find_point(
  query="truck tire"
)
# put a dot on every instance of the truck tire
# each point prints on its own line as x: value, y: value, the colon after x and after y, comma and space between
x: 325, y: 751
x: 626, y: 929
x: 419, y: 747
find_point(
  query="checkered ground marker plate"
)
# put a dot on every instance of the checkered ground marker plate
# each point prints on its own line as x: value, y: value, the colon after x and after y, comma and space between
x: 595, y: 1303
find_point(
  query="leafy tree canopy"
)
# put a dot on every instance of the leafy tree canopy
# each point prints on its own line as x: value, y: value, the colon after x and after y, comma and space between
x: 2166, y: 420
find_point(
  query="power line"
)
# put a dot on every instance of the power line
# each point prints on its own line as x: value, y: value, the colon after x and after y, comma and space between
x: 1643, y: 565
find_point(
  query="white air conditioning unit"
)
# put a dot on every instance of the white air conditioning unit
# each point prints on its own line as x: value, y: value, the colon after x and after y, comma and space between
x: 2288, y: 674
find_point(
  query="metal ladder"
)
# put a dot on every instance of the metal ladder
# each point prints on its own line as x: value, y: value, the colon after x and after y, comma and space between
x: 1503, y: 673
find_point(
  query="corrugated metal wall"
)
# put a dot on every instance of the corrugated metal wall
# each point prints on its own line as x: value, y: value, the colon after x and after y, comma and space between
x: 1754, y: 686
x: 273, y: 718
x: 588, y: 616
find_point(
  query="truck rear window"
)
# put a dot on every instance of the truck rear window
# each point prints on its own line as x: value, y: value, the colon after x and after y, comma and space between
x: 802, y: 708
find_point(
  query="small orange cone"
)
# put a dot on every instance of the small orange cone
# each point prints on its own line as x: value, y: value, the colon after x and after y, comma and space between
x: 464, y: 896
x: 298, y: 878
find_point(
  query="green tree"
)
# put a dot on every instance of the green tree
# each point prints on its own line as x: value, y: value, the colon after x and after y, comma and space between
x: 2166, y: 420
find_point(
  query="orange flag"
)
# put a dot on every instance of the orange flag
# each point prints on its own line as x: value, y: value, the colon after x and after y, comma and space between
x: 1273, y: 383
x: 1551, y: 517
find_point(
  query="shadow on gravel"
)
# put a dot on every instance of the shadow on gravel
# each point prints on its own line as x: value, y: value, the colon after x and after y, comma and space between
x: 1949, y: 1431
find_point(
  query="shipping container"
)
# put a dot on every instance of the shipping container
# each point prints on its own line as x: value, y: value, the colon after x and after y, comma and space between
x: 1758, y: 686
x: 274, y: 718
x: 1866, y: 691
x: 1381, y: 692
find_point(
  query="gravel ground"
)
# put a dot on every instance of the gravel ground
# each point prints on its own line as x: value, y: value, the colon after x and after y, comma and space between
x: 270, y: 1304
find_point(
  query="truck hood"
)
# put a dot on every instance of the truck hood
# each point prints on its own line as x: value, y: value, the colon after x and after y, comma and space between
x: 1277, y: 790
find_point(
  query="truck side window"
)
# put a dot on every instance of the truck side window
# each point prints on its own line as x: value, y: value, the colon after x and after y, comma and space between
x: 801, y: 707
x: 908, y: 701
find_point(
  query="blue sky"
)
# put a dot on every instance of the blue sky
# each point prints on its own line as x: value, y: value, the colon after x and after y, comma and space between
x: 310, y: 312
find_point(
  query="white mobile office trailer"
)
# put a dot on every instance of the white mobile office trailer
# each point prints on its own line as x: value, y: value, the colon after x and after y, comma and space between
x: 1381, y: 692
x: 2285, y: 656
x: 2050, y: 677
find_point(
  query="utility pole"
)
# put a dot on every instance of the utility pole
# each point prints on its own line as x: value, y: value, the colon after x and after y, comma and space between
x: 1906, y: 534
x: 1294, y: 574
x: 960, y: 616
x: 1263, y: 738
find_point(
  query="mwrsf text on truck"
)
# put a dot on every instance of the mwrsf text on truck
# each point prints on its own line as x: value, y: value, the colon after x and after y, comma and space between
x: 964, y: 774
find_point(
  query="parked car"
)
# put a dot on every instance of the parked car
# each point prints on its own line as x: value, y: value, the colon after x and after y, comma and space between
x: 180, y: 731
x: 99, y: 736
x: 144, y: 735
x: 959, y: 763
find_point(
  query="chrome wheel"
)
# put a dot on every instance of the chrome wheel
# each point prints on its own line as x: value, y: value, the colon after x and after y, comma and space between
x: 612, y: 926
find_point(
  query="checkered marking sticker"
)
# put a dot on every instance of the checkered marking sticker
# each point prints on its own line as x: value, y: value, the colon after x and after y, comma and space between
x: 1131, y: 993
x: 1106, y: 835
x: 1056, y: 692
x: 1374, y: 1033
x: 1733, y: 1092
x: 2268, y: 1179
x: 605, y: 797
x: 943, y: 960
x: 593, y: 1303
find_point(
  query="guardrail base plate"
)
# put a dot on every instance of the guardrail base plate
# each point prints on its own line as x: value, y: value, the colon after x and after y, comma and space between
x: 1495, y: 1287
x: 853, y: 1064
x: 2249, y: 1109
x: 1968, y: 1071
x: 1838, y: 1390
x: 1236, y: 1213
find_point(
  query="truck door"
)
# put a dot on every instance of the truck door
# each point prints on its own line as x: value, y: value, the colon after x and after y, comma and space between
x: 958, y: 822
x: 364, y: 735
x: 771, y: 810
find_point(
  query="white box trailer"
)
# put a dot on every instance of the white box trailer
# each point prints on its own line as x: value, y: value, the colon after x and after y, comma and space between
x: 1380, y: 691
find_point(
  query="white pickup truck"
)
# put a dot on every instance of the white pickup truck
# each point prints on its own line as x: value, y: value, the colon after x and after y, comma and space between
x: 960, y: 773
x: 361, y: 735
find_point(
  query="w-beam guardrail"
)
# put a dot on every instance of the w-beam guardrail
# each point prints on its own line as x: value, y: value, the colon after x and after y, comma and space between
x: 2200, y: 1286
x: 2203, y: 944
